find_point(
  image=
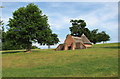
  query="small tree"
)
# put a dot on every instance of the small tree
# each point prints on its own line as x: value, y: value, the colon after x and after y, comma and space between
x: 52, y: 40
x: 99, y: 37
x: 27, y: 25
x: 103, y: 37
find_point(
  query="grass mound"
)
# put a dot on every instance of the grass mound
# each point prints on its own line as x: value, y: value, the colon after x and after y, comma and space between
x: 101, y: 60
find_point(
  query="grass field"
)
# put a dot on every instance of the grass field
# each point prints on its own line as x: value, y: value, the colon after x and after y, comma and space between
x: 99, y: 61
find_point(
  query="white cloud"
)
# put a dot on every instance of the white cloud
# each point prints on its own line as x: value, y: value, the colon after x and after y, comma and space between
x: 101, y: 18
x: 98, y: 18
x: 59, y: 22
x: 62, y: 39
x: 5, y: 20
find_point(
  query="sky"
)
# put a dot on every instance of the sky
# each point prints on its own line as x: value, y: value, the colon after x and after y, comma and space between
x: 97, y: 15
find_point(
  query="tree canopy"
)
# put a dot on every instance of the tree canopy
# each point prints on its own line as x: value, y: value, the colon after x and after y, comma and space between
x: 52, y: 40
x: 28, y: 25
x: 79, y: 27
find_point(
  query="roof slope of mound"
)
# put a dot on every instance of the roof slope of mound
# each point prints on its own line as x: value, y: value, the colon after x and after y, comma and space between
x: 85, y: 39
x: 77, y: 39
x: 82, y: 39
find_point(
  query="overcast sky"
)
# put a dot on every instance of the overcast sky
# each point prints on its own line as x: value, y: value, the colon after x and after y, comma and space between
x: 97, y: 15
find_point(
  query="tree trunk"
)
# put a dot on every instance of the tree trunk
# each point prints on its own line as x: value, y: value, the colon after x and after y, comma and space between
x: 28, y: 50
x: 94, y: 42
x: 48, y: 46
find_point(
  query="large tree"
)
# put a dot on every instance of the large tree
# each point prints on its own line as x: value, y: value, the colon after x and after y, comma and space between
x: 27, y: 25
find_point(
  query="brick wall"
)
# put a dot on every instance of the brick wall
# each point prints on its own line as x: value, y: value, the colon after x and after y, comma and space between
x: 69, y: 40
x: 60, y: 46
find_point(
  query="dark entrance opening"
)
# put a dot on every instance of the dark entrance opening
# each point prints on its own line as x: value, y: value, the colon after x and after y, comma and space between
x: 62, y: 48
x: 69, y: 48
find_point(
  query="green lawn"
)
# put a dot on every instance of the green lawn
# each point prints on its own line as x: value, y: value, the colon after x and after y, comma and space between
x: 100, y: 60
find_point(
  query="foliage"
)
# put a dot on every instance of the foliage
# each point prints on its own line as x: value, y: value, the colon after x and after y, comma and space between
x: 6, y: 44
x: 52, y: 40
x: 34, y: 47
x: 103, y: 37
x: 29, y: 25
x: 99, y: 37
x: 2, y: 33
x: 94, y: 36
x: 79, y: 27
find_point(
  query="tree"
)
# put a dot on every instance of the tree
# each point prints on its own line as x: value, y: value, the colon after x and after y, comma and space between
x: 103, y: 37
x: 34, y: 47
x: 78, y: 28
x: 6, y: 44
x: 94, y: 36
x: 3, y: 32
x: 1, y: 29
x: 52, y: 40
x: 99, y: 36
x: 27, y: 25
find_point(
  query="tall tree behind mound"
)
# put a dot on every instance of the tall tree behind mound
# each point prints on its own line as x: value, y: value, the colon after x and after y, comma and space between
x: 29, y: 25
x: 79, y: 27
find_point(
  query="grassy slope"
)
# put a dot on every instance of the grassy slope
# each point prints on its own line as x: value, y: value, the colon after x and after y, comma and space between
x: 100, y: 60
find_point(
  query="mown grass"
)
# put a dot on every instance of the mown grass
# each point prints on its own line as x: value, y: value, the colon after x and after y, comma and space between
x: 100, y: 60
